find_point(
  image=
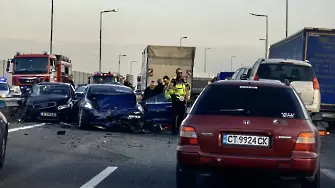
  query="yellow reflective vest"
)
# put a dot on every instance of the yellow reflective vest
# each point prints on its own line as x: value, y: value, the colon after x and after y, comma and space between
x: 181, y: 89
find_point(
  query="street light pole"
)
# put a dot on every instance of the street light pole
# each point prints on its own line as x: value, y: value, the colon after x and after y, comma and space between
x: 205, y: 66
x: 100, y: 38
x: 181, y: 40
x: 118, y: 70
x: 131, y: 66
x: 266, y: 31
x: 286, y: 18
x: 52, y: 25
x: 231, y: 63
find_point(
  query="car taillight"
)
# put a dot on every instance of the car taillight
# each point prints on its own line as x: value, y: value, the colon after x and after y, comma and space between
x: 316, y: 85
x: 306, y: 142
x: 256, y: 77
x: 188, y: 136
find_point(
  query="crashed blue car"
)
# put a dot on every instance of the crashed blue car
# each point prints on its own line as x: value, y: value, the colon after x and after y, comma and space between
x: 158, y: 113
x: 110, y: 106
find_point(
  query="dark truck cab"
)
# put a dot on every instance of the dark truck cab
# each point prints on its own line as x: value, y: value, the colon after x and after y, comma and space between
x: 317, y: 45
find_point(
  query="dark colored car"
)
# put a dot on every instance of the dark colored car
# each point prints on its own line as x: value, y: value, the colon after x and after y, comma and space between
x: 253, y: 127
x: 110, y: 106
x: 158, y: 112
x: 49, y: 101
x: 3, y: 134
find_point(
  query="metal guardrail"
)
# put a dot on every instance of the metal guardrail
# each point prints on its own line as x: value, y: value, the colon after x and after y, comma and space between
x: 11, y: 102
x: 10, y: 111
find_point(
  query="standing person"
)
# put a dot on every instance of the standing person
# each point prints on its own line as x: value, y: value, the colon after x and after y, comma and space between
x: 70, y: 81
x: 179, y: 92
x: 159, y: 87
x: 149, y: 91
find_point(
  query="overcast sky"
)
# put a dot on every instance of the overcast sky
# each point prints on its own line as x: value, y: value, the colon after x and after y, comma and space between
x: 224, y: 25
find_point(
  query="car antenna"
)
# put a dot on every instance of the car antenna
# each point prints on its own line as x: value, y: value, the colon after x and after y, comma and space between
x: 287, y: 82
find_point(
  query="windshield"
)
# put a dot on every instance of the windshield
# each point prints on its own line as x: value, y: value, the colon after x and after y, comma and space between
x: 248, y: 101
x: 281, y: 71
x: 3, y: 87
x: 30, y: 65
x: 104, y: 79
x: 80, y: 89
x: 50, y: 90
x: 106, y: 89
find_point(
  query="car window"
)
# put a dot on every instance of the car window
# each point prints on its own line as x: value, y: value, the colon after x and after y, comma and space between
x: 80, y: 89
x: 247, y: 72
x: 249, y: 101
x: 282, y: 71
x: 235, y: 74
x: 240, y: 73
x: 3, y: 87
x: 157, y: 98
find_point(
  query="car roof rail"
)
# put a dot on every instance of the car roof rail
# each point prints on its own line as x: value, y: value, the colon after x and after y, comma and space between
x: 287, y: 82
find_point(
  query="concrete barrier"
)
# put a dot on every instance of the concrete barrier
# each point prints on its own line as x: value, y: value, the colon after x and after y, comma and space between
x: 10, y: 112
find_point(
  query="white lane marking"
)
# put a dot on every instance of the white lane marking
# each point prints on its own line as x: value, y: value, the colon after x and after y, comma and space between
x: 329, y: 173
x: 98, y: 178
x: 25, y: 127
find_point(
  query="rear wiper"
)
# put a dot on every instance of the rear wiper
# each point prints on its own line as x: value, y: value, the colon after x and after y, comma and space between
x: 235, y: 110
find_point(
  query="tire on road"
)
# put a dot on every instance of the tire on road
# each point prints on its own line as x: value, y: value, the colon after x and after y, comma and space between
x: 315, y: 183
x: 3, y: 147
x: 82, y: 120
x: 185, y: 177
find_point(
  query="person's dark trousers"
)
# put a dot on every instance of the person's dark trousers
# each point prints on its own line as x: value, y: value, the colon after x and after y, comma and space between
x: 179, y: 110
x: 22, y: 109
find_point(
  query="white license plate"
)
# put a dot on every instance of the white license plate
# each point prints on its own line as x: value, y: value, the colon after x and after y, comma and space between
x: 47, y: 114
x: 230, y: 139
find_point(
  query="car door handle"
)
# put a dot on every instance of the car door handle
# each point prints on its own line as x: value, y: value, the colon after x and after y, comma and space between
x: 169, y: 106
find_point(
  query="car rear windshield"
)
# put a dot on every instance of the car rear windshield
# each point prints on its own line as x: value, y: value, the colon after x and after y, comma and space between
x: 248, y: 101
x: 282, y: 71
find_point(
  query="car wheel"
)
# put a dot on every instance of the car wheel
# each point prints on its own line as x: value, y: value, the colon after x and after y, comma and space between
x: 82, y: 123
x: 315, y: 183
x: 3, y: 149
x: 185, y: 177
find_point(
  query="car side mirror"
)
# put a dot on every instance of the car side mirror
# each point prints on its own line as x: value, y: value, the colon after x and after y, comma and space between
x: 243, y: 77
x: 2, y: 104
x: 316, y: 116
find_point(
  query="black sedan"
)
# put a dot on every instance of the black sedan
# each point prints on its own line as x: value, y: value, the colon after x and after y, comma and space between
x: 49, y: 101
x: 111, y: 106
x: 3, y: 134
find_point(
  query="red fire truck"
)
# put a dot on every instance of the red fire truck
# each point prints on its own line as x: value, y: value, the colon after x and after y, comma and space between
x: 99, y: 78
x: 30, y: 68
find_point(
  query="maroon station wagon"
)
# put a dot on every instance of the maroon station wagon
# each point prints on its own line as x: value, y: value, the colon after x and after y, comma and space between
x: 249, y: 125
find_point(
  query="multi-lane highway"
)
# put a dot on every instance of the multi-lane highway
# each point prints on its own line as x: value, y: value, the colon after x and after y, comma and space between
x: 51, y: 155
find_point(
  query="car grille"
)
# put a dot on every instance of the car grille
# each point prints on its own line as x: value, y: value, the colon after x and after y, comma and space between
x: 45, y: 105
x: 27, y: 81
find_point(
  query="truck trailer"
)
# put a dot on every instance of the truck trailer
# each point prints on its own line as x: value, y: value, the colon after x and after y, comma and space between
x: 158, y: 61
x: 316, y: 45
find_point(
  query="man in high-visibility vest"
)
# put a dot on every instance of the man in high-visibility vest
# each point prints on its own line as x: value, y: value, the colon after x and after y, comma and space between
x: 178, y: 92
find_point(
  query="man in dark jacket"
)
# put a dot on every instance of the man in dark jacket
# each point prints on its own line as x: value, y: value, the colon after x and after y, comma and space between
x: 159, y: 87
x: 70, y: 81
x: 149, y: 91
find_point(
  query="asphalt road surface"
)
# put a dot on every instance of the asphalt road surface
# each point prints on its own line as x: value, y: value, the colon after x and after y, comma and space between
x: 38, y: 157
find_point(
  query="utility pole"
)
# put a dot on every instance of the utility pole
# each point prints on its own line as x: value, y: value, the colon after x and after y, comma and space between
x: 52, y: 25
x: 286, y: 18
